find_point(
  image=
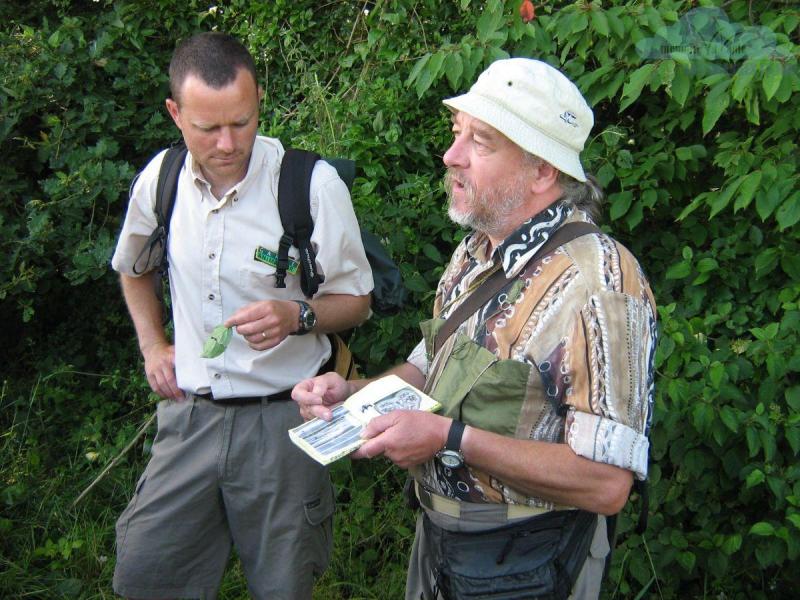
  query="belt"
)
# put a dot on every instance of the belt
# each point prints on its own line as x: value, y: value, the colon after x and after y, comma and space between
x: 284, y: 395
x: 277, y: 396
x: 457, y: 509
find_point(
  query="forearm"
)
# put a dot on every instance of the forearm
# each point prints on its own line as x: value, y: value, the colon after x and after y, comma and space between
x: 145, y: 309
x: 337, y: 312
x: 548, y: 470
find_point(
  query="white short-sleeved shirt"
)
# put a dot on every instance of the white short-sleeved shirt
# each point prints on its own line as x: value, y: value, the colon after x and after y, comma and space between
x: 213, y: 252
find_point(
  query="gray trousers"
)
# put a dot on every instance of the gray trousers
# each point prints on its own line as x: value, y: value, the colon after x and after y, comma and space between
x: 221, y: 476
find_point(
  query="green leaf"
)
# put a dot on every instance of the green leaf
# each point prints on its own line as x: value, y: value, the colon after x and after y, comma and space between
x: 453, y: 69
x: 599, y: 21
x: 742, y: 79
x: 753, y: 441
x: 679, y: 270
x: 729, y: 418
x: 217, y: 342
x: 747, y: 190
x: 766, y: 261
x: 767, y: 202
x: 772, y: 78
x: 792, y: 396
x: 719, y: 200
x: 794, y: 519
x: 620, y: 203
x: 686, y: 560
x: 418, y: 66
x: 488, y: 23
x: 762, y: 528
x: 789, y: 212
x: 707, y: 264
x: 636, y: 82
x: 717, y: 101
x: 732, y: 543
x: 756, y: 477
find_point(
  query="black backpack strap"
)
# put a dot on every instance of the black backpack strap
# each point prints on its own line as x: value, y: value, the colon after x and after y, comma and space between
x: 166, y: 189
x: 294, y: 205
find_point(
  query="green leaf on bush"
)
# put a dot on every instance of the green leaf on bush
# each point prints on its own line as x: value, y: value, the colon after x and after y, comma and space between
x: 686, y: 560
x: 217, y: 342
x: 636, y: 82
x: 788, y: 213
x: 679, y: 270
x: 772, y: 78
x: 620, y: 203
x: 762, y: 528
x: 716, y: 103
x: 731, y: 544
x: 747, y: 189
x: 756, y: 477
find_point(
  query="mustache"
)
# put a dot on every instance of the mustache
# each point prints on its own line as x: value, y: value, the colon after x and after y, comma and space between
x: 453, y: 176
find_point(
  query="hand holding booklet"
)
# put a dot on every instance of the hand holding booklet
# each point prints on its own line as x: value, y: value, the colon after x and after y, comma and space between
x: 327, y: 441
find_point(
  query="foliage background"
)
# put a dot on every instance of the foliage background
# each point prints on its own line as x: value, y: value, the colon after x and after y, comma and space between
x: 696, y: 145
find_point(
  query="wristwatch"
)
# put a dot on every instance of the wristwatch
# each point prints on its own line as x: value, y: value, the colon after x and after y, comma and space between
x: 450, y: 456
x: 307, y: 319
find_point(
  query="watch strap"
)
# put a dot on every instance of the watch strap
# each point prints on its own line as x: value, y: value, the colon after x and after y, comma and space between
x: 454, y: 436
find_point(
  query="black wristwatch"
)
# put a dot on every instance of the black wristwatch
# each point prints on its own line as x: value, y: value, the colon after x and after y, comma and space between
x: 450, y: 456
x: 307, y: 319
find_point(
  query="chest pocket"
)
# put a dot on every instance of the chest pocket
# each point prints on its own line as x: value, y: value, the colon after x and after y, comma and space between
x: 472, y: 384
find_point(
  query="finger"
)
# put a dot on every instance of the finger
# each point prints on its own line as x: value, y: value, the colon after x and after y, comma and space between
x: 377, y: 426
x: 371, y: 449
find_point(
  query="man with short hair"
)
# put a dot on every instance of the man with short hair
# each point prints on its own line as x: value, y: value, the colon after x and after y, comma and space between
x: 223, y: 470
x: 546, y: 379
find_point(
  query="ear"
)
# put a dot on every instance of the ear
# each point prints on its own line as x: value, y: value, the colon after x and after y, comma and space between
x: 260, y: 94
x: 544, y: 179
x: 174, y: 112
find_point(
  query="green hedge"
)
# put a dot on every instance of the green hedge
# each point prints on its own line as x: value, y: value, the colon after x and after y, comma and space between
x: 697, y: 117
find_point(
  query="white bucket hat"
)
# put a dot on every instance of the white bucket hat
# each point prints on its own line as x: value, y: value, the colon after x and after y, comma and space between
x: 535, y: 106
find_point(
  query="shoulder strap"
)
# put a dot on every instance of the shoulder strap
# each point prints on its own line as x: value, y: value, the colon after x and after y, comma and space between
x: 166, y: 189
x: 495, y: 282
x: 294, y: 189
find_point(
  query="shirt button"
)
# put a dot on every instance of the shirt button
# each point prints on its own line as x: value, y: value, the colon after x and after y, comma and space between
x: 215, y: 211
x: 211, y: 296
x: 212, y: 255
x: 217, y: 376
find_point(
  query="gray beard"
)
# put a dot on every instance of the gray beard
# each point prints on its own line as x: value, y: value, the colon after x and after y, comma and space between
x: 490, y: 211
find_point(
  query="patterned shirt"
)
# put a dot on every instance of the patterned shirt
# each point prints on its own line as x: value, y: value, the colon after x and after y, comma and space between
x: 583, y: 319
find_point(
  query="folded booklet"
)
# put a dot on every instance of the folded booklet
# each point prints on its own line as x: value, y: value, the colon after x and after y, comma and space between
x: 327, y: 441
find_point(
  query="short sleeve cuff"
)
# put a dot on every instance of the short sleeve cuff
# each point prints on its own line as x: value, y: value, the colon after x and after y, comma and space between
x: 419, y: 358
x: 606, y: 441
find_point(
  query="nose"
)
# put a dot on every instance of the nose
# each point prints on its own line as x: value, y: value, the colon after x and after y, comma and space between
x: 225, y: 140
x: 456, y: 155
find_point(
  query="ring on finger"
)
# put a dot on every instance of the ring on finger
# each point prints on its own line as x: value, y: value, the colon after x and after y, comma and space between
x: 264, y: 334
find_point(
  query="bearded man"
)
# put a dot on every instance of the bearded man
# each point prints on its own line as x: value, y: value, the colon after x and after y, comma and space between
x: 540, y: 351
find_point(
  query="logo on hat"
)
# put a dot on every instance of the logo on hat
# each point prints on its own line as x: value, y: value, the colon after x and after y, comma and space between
x: 569, y: 118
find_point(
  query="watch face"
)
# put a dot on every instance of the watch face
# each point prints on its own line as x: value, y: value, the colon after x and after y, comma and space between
x: 450, y: 459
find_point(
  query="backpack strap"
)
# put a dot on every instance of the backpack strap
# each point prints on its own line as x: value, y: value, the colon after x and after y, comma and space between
x: 166, y: 190
x: 495, y: 282
x: 294, y: 205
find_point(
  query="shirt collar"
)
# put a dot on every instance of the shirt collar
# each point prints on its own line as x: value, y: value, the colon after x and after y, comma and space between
x: 264, y: 155
x: 517, y: 249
